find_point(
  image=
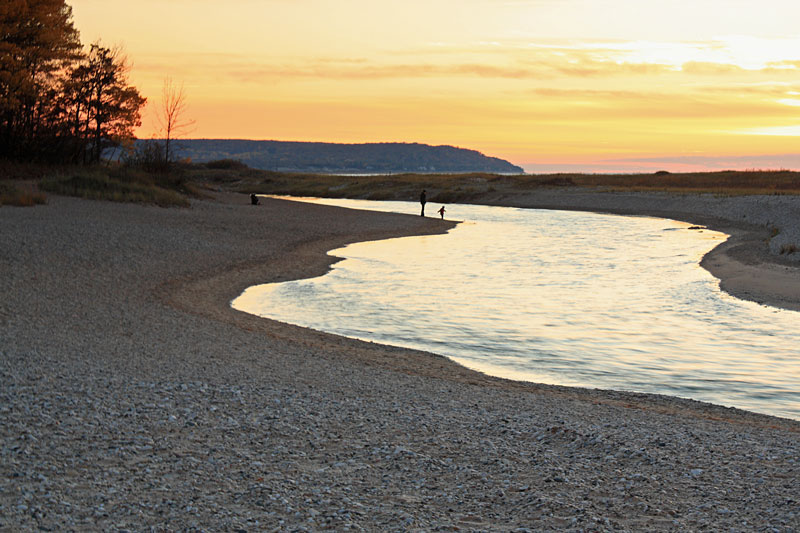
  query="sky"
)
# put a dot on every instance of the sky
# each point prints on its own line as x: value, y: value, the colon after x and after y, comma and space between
x: 550, y: 85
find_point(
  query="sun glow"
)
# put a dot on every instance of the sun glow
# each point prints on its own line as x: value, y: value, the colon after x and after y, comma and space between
x: 779, y: 131
x: 529, y: 81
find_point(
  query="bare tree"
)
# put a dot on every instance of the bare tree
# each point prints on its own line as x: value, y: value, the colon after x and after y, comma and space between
x: 171, y: 120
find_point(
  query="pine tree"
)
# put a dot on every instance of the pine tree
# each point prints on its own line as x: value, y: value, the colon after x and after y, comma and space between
x: 37, y: 42
x: 58, y: 103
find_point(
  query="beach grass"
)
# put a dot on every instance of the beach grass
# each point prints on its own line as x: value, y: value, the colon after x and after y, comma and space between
x: 726, y: 182
x: 450, y: 188
x: 118, y: 186
x: 11, y: 194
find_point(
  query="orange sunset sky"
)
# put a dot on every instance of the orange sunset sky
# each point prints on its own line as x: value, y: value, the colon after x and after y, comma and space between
x: 550, y: 85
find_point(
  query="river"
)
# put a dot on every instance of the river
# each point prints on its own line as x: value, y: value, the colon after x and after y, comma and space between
x: 558, y: 297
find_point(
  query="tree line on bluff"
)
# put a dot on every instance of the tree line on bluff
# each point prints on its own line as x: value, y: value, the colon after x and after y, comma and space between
x: 60, y: 103
x: 335, y: 157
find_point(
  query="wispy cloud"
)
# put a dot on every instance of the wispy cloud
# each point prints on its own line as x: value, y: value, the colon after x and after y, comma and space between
x: 512, y: 60
x: 705, y: 68
x: 773, y: 131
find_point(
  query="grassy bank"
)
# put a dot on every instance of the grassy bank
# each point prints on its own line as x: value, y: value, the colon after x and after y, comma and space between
x: 26, y: 184
x: 12, y: 194
x: 94, y: 184
x: 449, y: 188
x: 184, y: 181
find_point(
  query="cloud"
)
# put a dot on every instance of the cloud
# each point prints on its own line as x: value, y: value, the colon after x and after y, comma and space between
x: 545, y: 68
x: 698, y: 104
x: 788, y: 65
x: 506, y: 60
x: 773, y: 131
x: 705, y: 68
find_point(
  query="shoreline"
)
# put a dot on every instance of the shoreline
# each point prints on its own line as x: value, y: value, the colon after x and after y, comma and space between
x: 743, y: 264
x: 134, y: 396
x: 311, y: 260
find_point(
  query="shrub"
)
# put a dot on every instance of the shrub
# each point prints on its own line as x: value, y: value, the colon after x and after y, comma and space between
x: 558, y: 181
x: 149, y: 156
x: 226, y: 164
x: 11, y: 195
x: 96, y: 186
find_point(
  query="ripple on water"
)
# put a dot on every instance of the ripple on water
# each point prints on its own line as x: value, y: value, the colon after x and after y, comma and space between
x: 558, y: 297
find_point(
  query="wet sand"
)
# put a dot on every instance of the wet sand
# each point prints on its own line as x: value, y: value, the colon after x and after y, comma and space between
x: 132, y: 396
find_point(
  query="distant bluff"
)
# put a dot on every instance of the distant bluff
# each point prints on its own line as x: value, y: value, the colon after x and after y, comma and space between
x: 344, y: 158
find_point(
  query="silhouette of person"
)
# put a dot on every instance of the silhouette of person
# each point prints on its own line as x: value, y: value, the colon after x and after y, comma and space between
x: 441, y: 212
x: 422, y: 200
x: 253, y: 199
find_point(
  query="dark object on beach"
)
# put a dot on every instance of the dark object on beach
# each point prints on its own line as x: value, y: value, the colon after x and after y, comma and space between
x: 696, y: 227
x: 441, y: 212
x: 422, y: 200
x: 254, y: 199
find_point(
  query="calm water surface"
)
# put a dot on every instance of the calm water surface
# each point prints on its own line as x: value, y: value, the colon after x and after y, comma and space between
x: 556, y: 297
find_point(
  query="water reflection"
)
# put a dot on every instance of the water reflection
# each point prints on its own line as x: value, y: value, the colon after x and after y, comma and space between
x: 556, y: 297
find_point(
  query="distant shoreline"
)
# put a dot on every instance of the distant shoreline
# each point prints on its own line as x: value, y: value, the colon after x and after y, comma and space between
x: 337, y: 158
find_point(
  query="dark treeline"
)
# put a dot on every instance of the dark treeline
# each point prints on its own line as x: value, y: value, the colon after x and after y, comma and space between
x: 336, y: 157
x: 60, y: 103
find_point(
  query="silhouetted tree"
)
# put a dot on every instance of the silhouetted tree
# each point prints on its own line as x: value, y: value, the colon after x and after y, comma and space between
x: 148, y: 155
x: 171, y: 118
x: 57, y: 102
x: 37, y: 42
x: 103, y: 108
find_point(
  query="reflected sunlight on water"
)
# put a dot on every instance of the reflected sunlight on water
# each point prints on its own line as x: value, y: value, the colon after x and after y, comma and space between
x: 557, y: 297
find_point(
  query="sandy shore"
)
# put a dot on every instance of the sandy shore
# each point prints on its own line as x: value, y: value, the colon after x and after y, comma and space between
x: 134, y: 397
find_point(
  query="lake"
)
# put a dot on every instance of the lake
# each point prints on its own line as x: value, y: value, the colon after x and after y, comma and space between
x: 558, y: 297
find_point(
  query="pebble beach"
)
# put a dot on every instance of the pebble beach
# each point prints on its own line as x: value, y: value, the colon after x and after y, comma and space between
x: 134, y: 398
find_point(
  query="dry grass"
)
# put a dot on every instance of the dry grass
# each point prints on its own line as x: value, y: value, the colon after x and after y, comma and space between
x: 10, y: 194
x: 187, y: 180
x: 96, y: 185
x: 449, y: 188
x: 724, y: 182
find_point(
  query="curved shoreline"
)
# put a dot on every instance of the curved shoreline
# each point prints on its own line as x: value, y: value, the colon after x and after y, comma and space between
x: 312, y: 259
x: 748, y: 278
x: 743, y: 263
x: 132, y: 396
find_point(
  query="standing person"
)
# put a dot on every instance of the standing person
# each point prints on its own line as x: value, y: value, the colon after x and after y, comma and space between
x: 422, y: 200
x: 441, y: 212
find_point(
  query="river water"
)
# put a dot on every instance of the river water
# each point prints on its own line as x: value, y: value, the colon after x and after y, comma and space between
x: 559, y: 297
